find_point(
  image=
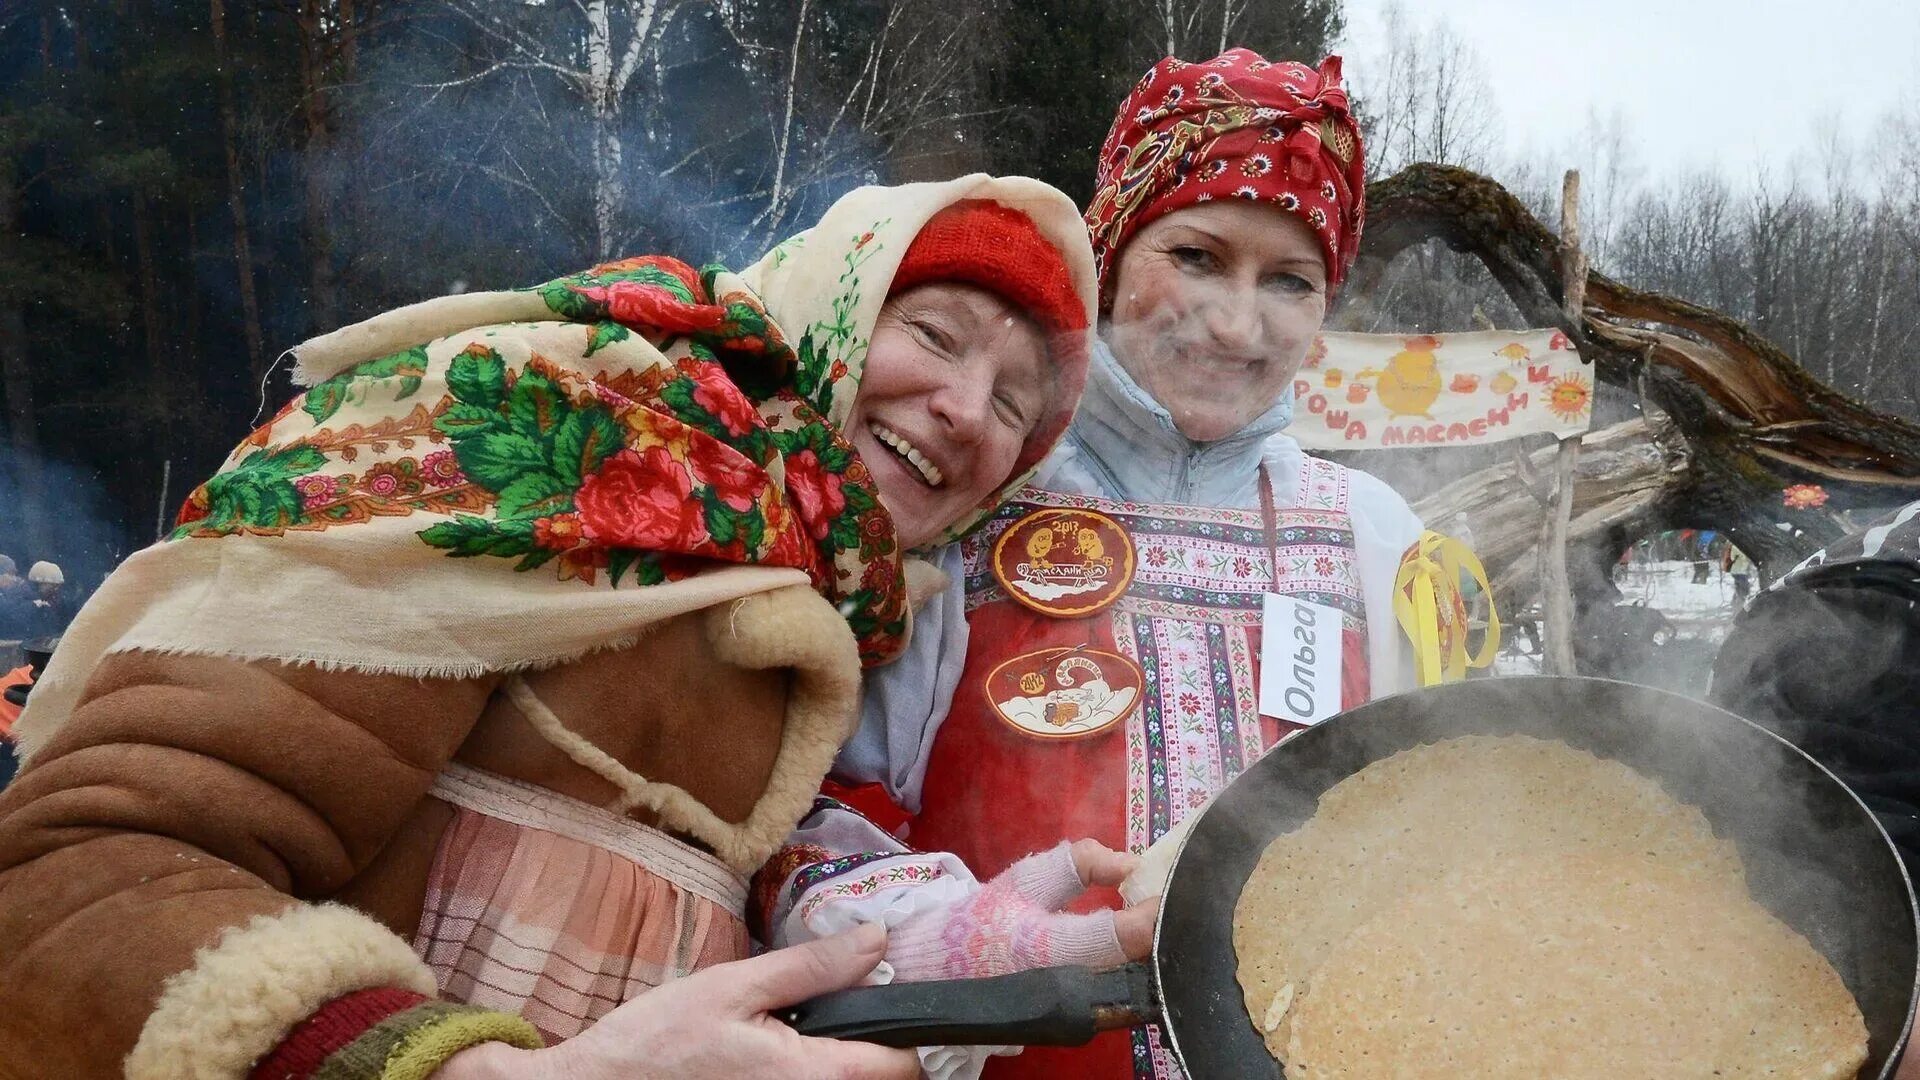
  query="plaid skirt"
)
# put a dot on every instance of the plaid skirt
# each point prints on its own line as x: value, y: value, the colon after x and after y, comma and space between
x: 558, y: 910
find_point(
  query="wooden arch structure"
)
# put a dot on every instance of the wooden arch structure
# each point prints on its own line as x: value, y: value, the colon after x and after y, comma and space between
x: 1729, y: 420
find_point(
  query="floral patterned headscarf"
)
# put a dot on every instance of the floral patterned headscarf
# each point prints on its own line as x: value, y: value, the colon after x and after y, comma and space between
x: 493, y: 481
x: 1237, y: 126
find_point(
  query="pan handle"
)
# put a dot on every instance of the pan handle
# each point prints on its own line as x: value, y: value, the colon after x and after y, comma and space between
x: 1063, y: 1006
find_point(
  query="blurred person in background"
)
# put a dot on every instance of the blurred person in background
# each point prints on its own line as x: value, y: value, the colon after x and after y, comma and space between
x: 1740, y: 567
x: 16, y: 601
x: 51, y: 612
x: 1828, y: 657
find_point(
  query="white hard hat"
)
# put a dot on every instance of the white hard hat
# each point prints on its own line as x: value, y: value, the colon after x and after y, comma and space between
x: 45, y: 573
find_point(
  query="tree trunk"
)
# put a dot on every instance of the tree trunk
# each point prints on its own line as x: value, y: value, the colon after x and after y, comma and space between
x: 322, y: 304
x: 349, y: 42
x: 23, y: 428
x: 152, y: 325
x: 1556, y: 590
x: 237, y: 199
x: 609, y: 186
x: 776, y: 202
x: 603, y: 97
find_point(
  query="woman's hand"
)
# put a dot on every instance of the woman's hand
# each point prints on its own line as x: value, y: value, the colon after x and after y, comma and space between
x: 1016, y: 922
x: 1098, y: 864
x: 714, y: 1023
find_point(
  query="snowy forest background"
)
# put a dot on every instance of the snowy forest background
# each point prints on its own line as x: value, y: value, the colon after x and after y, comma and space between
x: 188, y: 188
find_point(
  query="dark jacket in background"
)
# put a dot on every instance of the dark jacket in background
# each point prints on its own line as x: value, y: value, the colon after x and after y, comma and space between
x: 17, y: 618
x: 47, y: 618
x: 1829, y: 658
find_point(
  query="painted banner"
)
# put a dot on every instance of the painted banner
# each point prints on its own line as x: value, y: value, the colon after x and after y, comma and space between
x: 1384, y: 391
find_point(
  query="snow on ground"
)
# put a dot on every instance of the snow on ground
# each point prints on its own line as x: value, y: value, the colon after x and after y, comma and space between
x: 1670, y: 587
x: 1698, y: 612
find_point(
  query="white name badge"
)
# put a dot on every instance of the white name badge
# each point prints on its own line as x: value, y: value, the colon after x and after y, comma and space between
x: 1300, y: 653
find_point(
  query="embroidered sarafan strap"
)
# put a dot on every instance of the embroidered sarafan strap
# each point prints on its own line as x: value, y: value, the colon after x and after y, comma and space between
x: 1270, y: 525
x: 1432, y: 611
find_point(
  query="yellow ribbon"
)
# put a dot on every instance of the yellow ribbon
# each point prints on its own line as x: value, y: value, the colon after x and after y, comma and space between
x: 1433, y: 613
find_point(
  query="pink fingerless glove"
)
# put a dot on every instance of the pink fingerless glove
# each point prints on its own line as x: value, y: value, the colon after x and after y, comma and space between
x: 1012, y: 924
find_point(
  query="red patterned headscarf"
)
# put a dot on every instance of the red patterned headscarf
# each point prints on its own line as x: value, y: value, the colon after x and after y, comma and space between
x: 1236, y: 126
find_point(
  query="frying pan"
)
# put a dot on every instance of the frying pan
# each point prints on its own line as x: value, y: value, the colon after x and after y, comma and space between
x: 1815, y: 858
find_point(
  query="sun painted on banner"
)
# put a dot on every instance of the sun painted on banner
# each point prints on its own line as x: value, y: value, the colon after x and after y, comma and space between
x: 1382, y: 391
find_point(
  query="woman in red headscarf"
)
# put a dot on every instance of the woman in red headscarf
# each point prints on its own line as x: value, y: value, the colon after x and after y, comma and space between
x: 1102, y: 657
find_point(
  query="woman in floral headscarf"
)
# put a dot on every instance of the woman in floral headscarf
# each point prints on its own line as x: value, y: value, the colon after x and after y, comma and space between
x: 1107, y: 696
x: 464, y: 696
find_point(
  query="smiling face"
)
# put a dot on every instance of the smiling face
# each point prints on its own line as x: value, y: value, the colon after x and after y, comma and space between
x: 1214, y: 308
x: 955, y: 380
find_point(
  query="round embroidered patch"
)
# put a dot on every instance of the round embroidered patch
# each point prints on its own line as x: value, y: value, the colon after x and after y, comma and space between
x: 1064, y: 563
x: 1065, y: 693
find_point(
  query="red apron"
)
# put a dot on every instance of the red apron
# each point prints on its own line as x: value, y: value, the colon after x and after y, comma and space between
x: 1190, y: 618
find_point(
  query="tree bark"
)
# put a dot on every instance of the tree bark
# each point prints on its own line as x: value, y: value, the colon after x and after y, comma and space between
x: 775, y: 202
x: 23, y: 429
x: 237, y: 198
x: 608, y: 76
x: 603, y: 99
x: 1556, y: 591
x: 322, y: 301
x: 152, y: 324
x: 1752, y: 420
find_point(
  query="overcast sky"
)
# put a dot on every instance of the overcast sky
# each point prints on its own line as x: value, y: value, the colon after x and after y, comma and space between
x: 1697, y: 82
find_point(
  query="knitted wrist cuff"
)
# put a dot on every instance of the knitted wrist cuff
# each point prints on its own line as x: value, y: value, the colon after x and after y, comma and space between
x: 427, y: 1035
x: 917, y: 947
x: 336, y: 1024
x: 1085, y: 940
x: 387, y: 1034
x: 1048, y: 878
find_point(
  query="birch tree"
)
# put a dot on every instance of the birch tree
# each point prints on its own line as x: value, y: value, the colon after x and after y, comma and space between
x: 236, y: 193
x: 1423, y: 96
x: 1198, y: 29
x: 852, y: 107
x: 594, y: 50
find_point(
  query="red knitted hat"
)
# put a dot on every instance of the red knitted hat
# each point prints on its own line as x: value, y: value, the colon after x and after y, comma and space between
x: 999, y: 249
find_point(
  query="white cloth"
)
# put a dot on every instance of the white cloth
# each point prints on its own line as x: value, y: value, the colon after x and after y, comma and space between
x: 883, y: 882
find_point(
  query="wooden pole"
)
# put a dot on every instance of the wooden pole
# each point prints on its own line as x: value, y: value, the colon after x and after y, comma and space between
x: 1556, y: 590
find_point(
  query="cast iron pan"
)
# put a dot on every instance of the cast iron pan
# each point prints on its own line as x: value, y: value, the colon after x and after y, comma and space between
x: 1815, y: 857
